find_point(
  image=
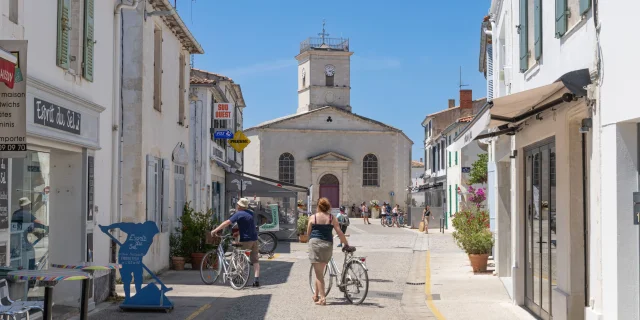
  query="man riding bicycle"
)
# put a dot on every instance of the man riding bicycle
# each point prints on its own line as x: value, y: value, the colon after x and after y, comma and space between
x: 248, y: 234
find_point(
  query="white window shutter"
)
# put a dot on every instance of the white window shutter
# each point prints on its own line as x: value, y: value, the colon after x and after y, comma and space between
x: 489, y: 72
x: 164, y: 216
x: 151, y: 188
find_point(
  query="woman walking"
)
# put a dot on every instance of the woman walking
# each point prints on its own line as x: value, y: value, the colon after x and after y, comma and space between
x: 365, y: 213
x: 426, y: 215
x: 320, y: 234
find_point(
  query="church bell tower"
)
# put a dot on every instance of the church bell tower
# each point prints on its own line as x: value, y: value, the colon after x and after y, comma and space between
x: 324, y: 73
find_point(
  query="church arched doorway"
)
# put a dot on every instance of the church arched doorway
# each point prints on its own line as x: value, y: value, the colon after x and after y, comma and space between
x: 330, y: 189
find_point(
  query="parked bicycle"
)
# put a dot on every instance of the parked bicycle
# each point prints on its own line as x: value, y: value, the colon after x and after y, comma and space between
x: 353, y: 280
x: 267, y: 242
x: 234, y: 266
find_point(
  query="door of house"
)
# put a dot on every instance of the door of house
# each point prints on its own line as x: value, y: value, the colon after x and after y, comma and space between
x: 540, y: 229
x: 330, y: 189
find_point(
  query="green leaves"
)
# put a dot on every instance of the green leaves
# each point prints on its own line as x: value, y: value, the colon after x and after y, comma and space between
x: 478, y: 172
x: 302, y: 224
x: 472, y: 231
x: 195, y: 226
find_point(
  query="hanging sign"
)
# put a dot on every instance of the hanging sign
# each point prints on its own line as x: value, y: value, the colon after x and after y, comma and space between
x: 239, y: 141
x: 223, y: 111
x: 13, y: 100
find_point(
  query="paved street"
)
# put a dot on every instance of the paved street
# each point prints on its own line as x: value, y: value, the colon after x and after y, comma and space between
x: 395, y: 257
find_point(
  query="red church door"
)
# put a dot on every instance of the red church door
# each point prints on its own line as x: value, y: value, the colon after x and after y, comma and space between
x: 330, y: 189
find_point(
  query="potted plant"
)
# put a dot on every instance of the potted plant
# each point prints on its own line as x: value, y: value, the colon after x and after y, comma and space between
x: 473, y: 236
x: 375, y: 208
x: 195, y: 226
x: 302, y: 229
x: 176, y: 251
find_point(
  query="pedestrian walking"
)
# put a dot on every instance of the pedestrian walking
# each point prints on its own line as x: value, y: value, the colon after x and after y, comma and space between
x: 343, y: 221
x: 365, y: 213
x: 426, y: 214
x: 320, y: 227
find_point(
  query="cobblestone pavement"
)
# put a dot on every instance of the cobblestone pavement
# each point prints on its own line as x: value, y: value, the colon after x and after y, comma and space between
x: 285, y: 292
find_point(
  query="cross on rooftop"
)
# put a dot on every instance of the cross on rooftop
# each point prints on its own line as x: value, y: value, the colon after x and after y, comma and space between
x: 323, y: 34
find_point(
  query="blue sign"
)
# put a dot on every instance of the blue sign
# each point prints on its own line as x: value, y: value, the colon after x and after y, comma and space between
x: 223, y: 134
x: 392, y: 193
x: 139, y: 240
x: 466, y: 169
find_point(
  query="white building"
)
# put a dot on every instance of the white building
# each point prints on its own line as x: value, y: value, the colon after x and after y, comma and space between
x: 213, y: 157
x: 58, y: 174
x: 348, y: 158
x: 538, y: 67
x: 155, y: 120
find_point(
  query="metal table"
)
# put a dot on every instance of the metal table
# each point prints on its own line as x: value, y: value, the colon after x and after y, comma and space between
x: 50, y: 279
x: 90, y: 268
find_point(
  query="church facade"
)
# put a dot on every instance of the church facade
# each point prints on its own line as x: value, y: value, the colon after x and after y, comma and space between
x: 347, y: 158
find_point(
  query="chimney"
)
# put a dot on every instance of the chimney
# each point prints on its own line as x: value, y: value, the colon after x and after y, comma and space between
x: 466, y: 99
x: 452, y: 103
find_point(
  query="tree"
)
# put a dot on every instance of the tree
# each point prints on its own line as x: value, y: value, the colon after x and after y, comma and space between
x: 478, y: 172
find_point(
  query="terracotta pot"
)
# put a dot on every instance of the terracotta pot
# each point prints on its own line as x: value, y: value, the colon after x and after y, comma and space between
x: 177, y: 263
x: 196, y: 260
x: 303, y: 238
x: 479, y: 262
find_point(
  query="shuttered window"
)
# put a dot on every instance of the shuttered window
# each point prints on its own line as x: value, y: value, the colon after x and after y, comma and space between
x: 561, y: 17
x: 449, y: 201
x: 524, y: 38
x: 87, y: 62
x: 585, y: 5
x: 182, y: 90
x: 13, y: 11
x: 537, y: 24
x: 449, y: 159
x: 180, y: 186
x: 456, y: 191
x: 63, y: 37
x: 489, y: 72
x: 157, y: 69
x: 157, y: 191
x: 456, y: 158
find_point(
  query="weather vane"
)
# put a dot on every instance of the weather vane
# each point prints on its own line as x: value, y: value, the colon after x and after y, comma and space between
x: 323, y: 34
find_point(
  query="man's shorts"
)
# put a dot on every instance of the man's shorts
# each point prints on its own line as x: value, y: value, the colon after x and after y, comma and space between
x: 253, y: 246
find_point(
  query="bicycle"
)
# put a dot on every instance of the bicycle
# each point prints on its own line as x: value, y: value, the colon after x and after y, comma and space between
x: 346, y: 278
x: 401, y: 222
x: 237, y: 268
x: 267, y: 242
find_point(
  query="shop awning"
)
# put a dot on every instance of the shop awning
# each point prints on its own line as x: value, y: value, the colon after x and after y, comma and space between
x: 517, y: 107
x: 7, y: 68
x: 255, y: 185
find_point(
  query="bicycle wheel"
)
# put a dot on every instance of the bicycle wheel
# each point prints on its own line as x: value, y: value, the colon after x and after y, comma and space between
x: 356, y: 282
x: 267, y: 243
x: 239, y: 270
x: 328, y: 280
x: 210, y: 267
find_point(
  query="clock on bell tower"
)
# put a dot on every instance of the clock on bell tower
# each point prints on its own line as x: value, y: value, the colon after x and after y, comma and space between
x: 324, y: 73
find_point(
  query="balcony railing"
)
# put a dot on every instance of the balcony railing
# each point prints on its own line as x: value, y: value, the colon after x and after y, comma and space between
x: 340, y: 44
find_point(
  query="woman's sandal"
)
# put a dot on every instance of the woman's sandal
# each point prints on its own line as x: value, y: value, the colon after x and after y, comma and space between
x: 322, y: 302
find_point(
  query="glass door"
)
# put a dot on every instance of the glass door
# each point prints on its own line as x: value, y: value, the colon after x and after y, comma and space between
x: 540, y: 228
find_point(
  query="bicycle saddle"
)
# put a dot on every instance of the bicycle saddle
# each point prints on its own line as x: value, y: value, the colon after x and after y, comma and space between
x: 349, y: 249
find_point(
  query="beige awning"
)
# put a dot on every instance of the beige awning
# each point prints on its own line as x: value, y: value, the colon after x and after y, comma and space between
x: 519, y: 103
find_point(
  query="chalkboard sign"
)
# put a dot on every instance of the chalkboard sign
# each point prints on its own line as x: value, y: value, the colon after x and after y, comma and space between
x: 90, y: 185
x: 4, y: 194
x: 57, y: 117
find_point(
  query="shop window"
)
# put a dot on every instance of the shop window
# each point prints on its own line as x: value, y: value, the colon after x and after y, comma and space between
x: 180, y: 189
x: 29, y: 223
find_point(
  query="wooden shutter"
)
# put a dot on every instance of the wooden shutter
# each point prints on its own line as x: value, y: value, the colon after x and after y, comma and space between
x: 449, y: 159
x: 537, y: 25
x: 182, y: 90
x: 456, y: 158
x: 87, y: 62
x: 157, y: 69
x: 489, y: 72
x: 524, y: 38
x: 64, y: 29
x: 164, y: 216
x: 456, y: 191
x: 561, y: 18
x: 585, y: 5
x: 151, y: 187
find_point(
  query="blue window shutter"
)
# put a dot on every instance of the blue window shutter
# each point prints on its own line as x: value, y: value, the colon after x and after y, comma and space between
x: 561, y: 18
x: 64, y: 36
x: 87, y: 62
x: 585, y: 5
x: 524, y: 38
x: 538, y: 28
x: 164, y: 216
x: 151, y: 188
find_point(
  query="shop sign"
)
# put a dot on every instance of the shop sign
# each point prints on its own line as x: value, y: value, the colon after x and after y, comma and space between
x: 13, y: 101
x: 223, y: 111
x: 53, y: 116
x: 239, y: 141
x: 4, y: 194
x: 223, y: 134
x: 466, y: 169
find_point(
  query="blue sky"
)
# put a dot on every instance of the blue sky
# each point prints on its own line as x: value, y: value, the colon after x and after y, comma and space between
x: 406, y: 61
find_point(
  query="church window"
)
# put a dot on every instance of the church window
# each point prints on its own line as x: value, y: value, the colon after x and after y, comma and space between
x: 286, y: 168
x: 329, y: 80
x: 370, y: 171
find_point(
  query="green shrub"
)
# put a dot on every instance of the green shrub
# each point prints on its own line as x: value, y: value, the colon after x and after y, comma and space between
x: 175, y: 245
x: 479, y: 243
x: 472, y: 231
x: 193, y: 231
x: 302, y: 224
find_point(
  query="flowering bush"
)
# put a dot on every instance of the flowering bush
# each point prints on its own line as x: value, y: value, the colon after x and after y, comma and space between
x: 476, y: 196
x: 375, y: 203
x: 472, y: 231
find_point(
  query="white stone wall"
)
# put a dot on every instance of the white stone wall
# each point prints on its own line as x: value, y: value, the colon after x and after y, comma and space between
x: 148, y: 131
x: 314, y: 95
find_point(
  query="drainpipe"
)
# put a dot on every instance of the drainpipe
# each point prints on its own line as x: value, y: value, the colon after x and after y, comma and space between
x: 116, y: 116
x: 584, y: 129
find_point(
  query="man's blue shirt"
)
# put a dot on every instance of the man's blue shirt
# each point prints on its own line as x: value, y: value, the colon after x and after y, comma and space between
x: 246, y: 224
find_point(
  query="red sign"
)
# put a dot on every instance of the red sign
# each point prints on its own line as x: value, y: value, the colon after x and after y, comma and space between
x: 7, y: 72
x: 223, y: 111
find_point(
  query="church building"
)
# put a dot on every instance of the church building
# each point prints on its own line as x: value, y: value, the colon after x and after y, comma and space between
x: 345, y: 157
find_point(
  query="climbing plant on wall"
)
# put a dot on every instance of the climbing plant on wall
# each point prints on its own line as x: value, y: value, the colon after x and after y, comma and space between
x: 478, y: 172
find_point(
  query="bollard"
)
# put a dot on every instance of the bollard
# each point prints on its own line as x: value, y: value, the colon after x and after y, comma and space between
x: 442, y: 225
